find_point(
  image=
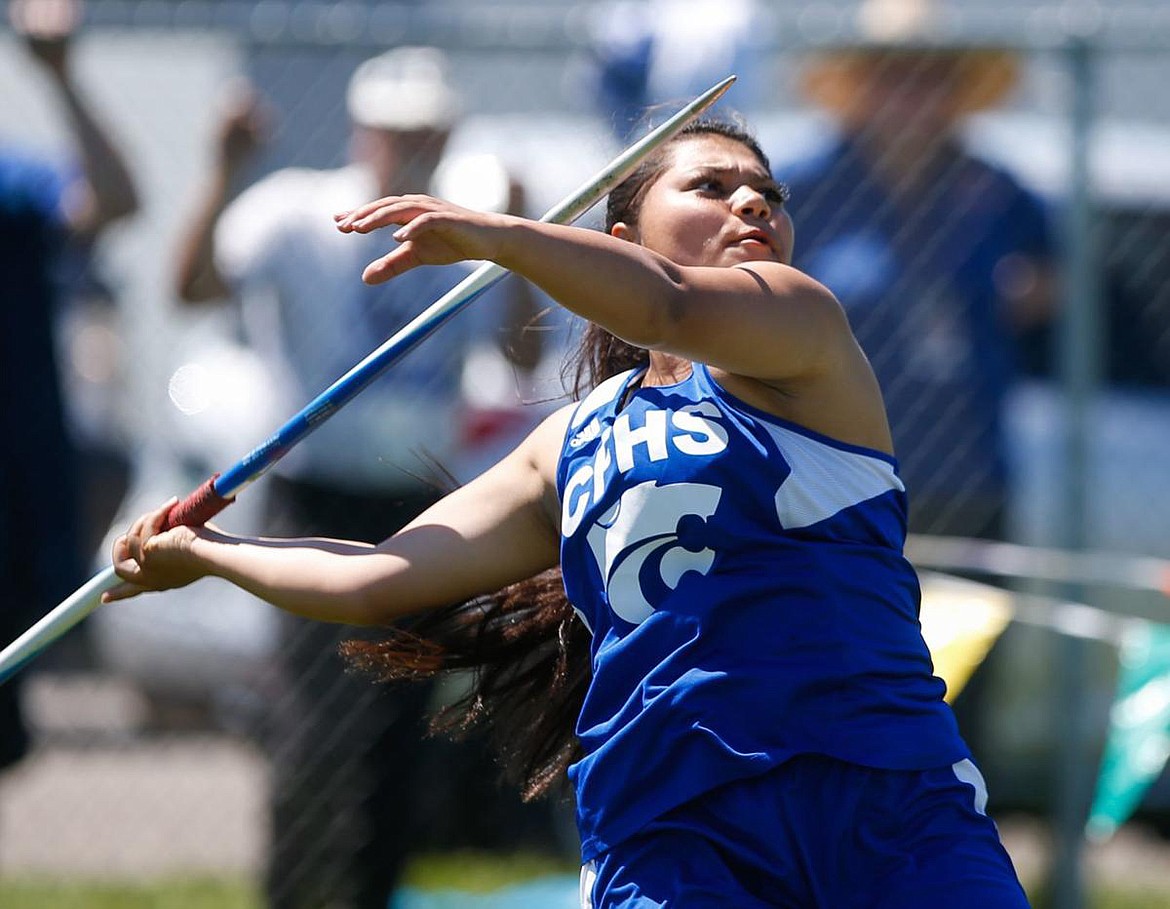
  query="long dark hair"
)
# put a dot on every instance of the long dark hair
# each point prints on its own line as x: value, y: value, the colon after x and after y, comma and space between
x: 527, y: 651
x: 529, y: 658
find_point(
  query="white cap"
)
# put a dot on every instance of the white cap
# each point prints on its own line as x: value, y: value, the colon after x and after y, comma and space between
x: 403, y: 89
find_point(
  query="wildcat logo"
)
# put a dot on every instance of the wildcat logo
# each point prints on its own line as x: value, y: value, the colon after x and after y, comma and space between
x: 651, y: 538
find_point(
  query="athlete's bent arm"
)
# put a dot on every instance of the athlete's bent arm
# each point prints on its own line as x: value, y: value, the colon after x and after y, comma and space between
x: 761, y: 319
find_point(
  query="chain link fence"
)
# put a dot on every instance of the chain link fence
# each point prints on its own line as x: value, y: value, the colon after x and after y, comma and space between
x: 1024, y: 348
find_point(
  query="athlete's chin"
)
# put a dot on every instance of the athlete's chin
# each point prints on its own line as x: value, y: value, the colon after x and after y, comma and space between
x: 750, y: 251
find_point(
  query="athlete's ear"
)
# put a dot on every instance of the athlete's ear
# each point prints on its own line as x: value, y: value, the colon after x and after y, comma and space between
x: 624, y: 231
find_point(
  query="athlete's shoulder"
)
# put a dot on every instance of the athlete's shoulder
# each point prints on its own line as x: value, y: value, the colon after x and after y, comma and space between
x: 557, y: 423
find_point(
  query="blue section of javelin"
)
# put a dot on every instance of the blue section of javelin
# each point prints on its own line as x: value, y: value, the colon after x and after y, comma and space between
x: 332, y: 399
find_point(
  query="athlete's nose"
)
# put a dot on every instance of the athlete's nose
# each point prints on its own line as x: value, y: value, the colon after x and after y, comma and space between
x: 751, y: 202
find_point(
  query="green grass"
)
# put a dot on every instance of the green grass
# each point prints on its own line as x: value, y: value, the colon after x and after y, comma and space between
x: 471, y: 871
x: 1115, y: 898
x: 32, y: 893
x: 481, y: 872
x: 1136, y: 899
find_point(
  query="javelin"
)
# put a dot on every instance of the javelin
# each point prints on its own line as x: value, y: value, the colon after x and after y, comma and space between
x: 220, y: 490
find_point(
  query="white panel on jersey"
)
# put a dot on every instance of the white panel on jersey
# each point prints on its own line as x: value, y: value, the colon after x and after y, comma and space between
x: 600, y: 396
x: 826, y: 480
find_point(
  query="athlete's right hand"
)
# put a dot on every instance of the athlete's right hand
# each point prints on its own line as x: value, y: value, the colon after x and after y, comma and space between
x: 430, y: 231
x: 147, y: 557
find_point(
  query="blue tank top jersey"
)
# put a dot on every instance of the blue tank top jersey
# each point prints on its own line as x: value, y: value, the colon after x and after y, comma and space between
x: 744, y: 582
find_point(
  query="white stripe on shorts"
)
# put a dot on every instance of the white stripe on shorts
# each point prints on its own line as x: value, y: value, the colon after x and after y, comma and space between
x: 968, y: 773
x: 588, y: 879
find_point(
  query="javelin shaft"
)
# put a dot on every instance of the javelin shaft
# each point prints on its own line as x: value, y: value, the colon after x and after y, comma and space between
x: 217, y: 493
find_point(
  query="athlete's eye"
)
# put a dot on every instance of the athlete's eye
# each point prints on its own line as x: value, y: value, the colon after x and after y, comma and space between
x: 778, y: 194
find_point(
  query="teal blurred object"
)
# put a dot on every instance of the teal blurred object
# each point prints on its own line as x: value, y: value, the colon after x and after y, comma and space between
x: 1139, y: 729
x: 558, y: 892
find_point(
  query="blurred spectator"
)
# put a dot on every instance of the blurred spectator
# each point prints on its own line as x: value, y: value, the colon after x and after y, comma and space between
x: 649, y: 52
x: 49, y: 218
x: 346, y: 791
x: 940, y: 259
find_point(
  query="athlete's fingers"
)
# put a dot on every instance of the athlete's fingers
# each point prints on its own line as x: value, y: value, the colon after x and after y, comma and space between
x: 126, y: 566
x: 401, y: 210
x: 145, y: 527
x: 363, y: 210
x: 381, y: 212
x: 128, y: 570
x: 397, y: 213
x: 134, y: 539
x: 136, y: 536
x: 400, y: 259
x: 157, y: 519
x: 120, y: 551
x: 124, y: 591
x: 422, y: 223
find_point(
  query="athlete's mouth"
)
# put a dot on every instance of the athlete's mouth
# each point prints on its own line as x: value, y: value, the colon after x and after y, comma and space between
x: 753, y: 237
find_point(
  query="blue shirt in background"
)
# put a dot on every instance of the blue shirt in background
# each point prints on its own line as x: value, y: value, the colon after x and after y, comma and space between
x: 920, y: 280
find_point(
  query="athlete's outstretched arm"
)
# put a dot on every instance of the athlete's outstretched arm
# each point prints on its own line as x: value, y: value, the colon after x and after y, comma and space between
x: 500, y: 528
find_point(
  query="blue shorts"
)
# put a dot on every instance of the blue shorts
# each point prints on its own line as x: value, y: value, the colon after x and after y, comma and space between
x: 817, y: 833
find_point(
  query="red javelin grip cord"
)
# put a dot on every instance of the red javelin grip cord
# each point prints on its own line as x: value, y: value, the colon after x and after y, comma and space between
x: 198, y: 508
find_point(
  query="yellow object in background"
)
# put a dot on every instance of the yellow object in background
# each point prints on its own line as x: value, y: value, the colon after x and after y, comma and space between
x: 960, y: 621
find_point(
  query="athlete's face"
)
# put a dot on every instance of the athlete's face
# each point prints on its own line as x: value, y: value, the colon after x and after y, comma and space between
x: 713, y: 204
